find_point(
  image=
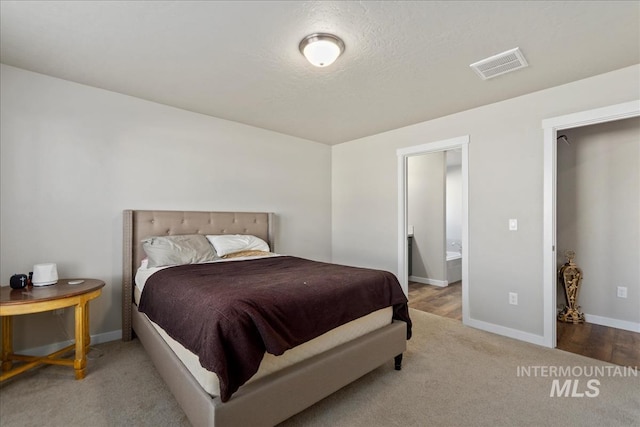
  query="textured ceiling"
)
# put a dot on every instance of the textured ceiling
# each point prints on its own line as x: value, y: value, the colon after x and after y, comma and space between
x: 405, y: 62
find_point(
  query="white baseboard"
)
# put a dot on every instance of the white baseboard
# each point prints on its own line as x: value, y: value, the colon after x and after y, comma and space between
x: 50, y: 348
x: 426, y: 281
x: 612, y: 323
x: 507, y: 332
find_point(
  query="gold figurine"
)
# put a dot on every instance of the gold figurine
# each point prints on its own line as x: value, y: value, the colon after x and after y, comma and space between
x: 571, y: 276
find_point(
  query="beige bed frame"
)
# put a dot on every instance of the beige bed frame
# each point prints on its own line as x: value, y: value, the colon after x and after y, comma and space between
x: 271, y: 399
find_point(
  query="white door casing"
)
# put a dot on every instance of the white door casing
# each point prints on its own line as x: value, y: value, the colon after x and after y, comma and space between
x: 403, y: 154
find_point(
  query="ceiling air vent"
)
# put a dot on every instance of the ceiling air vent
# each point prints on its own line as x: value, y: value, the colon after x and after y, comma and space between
x: 501, y: 63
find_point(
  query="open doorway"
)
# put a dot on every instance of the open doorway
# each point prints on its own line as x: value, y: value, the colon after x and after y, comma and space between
x: 434, y: 217
x: 552, y: 128
x: 597, y: 211
x: 406, y: 230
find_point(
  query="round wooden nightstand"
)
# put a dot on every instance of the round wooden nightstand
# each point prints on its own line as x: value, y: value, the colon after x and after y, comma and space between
x: 14, y: 302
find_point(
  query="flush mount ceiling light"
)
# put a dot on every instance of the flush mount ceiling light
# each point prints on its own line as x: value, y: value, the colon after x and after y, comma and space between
x: 321, y: 49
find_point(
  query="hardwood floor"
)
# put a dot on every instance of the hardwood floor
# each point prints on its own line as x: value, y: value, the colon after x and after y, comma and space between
x: 594, y: 341
x: 600, y: 342
x: 445, y: 302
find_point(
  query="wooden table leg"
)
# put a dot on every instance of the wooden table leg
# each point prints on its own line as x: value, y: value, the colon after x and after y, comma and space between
x: 7, y: 342
x: 87, y: 334
x: 80, y: 362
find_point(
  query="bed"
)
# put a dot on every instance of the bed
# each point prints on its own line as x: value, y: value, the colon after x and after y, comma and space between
x: 273, y: 397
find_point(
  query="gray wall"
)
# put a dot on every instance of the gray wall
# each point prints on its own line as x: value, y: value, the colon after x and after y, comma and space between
x: 426, y: 214
x: 505, y: 181
x: 73, y: 157
x: 598, y: 214
x: 454, y: 207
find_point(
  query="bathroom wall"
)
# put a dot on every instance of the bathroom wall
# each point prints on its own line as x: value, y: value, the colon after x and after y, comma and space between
x: 454, y: 206
x: 426, y: 214
x: 598, y: 216
x: 454, y: 215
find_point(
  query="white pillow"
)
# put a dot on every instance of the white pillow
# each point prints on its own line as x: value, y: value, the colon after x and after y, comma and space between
x: 231, y: 243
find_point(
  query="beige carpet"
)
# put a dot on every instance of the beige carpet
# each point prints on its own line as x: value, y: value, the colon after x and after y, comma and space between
x: 452, y: 376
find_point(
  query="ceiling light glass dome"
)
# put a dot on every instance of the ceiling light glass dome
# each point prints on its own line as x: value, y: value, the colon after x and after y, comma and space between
x: 321, y: 49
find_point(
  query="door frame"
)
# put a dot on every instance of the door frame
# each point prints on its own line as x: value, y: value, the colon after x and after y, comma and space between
x: 551, y: 127
x: 403, y: 154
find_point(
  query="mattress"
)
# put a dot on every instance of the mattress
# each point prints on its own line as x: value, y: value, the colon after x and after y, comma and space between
x: 270, y: 363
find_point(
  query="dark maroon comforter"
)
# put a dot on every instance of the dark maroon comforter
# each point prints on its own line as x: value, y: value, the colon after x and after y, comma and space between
x: 230, y: 313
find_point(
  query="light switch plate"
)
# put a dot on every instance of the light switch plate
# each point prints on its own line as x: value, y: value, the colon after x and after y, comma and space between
x: 513, y: 224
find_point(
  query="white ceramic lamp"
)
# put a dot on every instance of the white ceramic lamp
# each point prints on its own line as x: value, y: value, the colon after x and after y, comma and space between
x: 45, y: 274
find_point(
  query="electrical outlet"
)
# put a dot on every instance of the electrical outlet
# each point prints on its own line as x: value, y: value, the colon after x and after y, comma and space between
x: 513, y: 298
x: 622, y: 291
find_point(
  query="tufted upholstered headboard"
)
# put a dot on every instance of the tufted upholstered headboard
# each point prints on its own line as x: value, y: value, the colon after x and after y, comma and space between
x: 138, y: 225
